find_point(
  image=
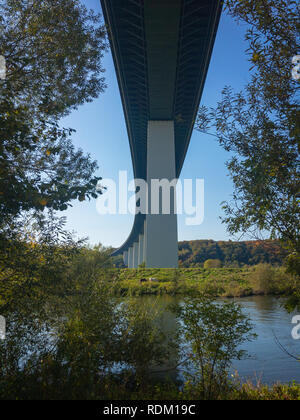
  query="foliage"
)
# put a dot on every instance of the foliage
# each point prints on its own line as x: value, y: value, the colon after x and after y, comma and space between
x: 144, y: 339
x: 233, y: 254
x: 263, y: 279
x: 293, y: 267
x: 214, y: 333
x: 260, y: 392
x: 264, y: 168
x: 260, y: 125
x: 53, y: 52
x: 70, y: 337
x: 249, y: 392
x: 42, y: 170
x: 74, y: 339
x: 212, y: 263
x: 35, y: 254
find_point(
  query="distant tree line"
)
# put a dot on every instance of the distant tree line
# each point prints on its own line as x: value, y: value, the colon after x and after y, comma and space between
x: 228, y: 253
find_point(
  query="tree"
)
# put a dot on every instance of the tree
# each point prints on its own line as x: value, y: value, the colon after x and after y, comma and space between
x: 35, y: 255
x: 76, y: 340
x: 39, y: 167
x: 212, y: 263
x: 53, y: 51
x: 214, y: 333
x: 260, y: 125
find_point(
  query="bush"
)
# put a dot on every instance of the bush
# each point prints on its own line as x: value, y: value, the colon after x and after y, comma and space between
x: 214, y: 333
x: 262, y: 279
x: 212, y: 263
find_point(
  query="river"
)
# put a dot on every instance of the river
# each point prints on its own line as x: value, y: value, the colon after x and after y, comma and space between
x: 267, y: 362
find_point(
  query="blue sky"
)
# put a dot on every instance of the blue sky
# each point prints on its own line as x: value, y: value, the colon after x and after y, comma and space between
x: 101, y: 132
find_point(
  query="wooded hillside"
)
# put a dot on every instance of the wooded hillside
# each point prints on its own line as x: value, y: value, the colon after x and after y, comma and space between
x: 195, y: 253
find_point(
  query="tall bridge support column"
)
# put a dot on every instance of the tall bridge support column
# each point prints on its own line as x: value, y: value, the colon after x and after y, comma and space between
x: 161, y: 242
x: 125, y: 258
x: 141, y: 249
x: 130, y: 257
x: 135, y: 255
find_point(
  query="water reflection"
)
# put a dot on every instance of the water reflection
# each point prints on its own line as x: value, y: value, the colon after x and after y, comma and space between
x: 268, y: 362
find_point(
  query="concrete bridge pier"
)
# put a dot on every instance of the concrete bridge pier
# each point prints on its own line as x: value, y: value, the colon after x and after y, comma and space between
x: 130, y: 257
x: 141, y: 249
x: 125, y: 258
x: 161, y: 243
x: 135, y: 255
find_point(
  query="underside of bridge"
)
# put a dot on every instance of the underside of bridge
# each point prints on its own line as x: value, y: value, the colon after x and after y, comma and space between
x: 161, y: 51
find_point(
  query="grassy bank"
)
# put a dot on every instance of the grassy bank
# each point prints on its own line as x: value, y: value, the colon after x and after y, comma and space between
x: 235, y: 392
x: 262, y: 279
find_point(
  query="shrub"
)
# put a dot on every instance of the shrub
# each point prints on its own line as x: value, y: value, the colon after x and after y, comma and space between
x: 212, y: 263
x: 214, y: 333
x: 262, y: 279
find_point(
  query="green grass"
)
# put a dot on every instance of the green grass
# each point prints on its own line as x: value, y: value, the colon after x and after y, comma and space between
x: 224, y: 282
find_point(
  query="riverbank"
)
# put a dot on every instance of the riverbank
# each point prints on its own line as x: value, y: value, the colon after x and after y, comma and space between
x: 235, y: 392
x: 262, y: 279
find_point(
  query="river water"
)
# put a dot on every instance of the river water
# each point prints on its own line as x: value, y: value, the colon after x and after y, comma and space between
x: 267, y: 363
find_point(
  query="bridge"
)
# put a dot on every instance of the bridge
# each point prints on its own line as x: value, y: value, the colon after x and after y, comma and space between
x: 161, y: 51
